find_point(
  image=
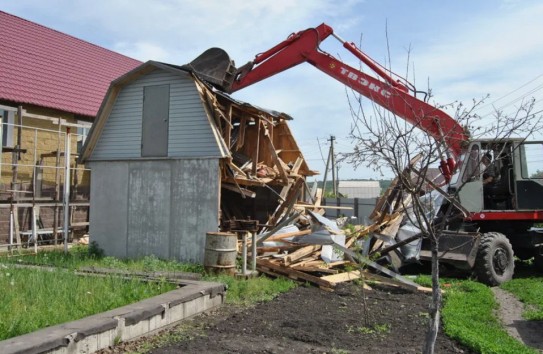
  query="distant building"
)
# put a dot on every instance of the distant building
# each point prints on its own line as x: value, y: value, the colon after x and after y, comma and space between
x: 359, y: 189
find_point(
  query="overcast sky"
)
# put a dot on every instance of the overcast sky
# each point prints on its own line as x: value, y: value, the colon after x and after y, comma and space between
x: 465, y: 49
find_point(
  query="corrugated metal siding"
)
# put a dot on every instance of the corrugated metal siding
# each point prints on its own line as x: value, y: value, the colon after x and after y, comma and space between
x: 164, y: 207
x: 109, y: 208
x: 189, y: 132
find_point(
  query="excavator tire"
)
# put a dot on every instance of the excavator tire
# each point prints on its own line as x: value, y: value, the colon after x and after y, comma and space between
x: 494, y: 263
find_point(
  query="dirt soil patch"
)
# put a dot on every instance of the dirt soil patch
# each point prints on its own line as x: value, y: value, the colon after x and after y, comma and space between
x: 310, y: 320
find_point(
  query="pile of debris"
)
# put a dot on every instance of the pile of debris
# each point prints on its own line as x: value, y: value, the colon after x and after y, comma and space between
x: 264, y: 194
x: 315, y: 250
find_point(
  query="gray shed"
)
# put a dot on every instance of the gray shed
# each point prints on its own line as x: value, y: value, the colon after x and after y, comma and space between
x: 154, y: 155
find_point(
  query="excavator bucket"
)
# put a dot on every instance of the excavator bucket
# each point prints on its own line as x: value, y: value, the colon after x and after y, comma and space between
x: 214, y: 66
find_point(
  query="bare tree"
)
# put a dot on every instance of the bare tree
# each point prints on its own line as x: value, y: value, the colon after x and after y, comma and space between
x: 387, y: 143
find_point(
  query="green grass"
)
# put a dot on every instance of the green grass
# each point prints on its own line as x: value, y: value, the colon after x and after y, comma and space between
x: 34, y: 299
x: 530, y: 292
x: 250, y: 291
x: 240, y: 291
x: 40, y: 304
x: 468, y: 316
x: 83, y: 256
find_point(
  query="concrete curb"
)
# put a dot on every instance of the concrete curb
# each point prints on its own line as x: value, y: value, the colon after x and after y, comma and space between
x: 96, y: 332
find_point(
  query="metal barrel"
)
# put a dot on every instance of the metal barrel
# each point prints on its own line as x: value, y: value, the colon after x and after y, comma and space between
x: 220, y: 252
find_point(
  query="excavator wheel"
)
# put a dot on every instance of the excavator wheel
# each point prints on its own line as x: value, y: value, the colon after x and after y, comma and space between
x: 494, y: 263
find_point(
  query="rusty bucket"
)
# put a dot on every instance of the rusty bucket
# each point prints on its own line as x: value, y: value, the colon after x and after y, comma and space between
x: 220, y: 252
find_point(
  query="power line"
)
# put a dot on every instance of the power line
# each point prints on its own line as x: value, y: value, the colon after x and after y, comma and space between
x: 510, y: 93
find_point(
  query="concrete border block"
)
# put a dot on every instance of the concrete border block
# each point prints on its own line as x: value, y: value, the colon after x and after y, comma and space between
x: 99, y: 331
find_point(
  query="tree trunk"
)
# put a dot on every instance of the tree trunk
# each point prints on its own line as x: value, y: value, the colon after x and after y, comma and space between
x: 433, y: 325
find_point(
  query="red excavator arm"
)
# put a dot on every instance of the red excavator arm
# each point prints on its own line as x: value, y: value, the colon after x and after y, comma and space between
x: 394, y: 96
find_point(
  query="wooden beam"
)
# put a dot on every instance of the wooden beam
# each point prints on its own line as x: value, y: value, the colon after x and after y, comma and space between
x: 257, y: 150
x: 301, y: 253
x: 323, y: 207
x: 276, y: 159
x: 228, y: 131
x: 241, y: 135
x: 265, y: 266
x: 289, y: 234
x: 346, y: 276
x: 237, y: 189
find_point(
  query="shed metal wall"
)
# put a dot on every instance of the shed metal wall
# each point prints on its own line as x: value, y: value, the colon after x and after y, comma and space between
x: 190, y: 134
x: 109, y: 207
x: 162, y: 207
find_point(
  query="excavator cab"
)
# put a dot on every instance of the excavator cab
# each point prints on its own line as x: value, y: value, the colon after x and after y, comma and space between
x: 517, y: 171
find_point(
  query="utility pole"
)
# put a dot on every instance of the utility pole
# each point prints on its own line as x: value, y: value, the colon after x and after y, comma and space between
x: 326, y: 172
x: 331, y: 159
x: 334, y: 182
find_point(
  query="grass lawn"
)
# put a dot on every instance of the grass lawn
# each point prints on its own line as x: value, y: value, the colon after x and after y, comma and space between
x: 468, y: 313
x: 530, y: 292
x: 468, y: 316
x: 34, y: 299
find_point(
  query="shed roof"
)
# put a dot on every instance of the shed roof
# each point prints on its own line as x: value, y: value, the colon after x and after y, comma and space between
x: 48, y: 68
x: 143, y: 69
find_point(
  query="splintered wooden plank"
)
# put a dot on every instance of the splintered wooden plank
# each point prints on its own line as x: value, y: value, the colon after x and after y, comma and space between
x: 343, y: 277
x: 313, y: 269
x: 228, y: 131
x: 302, y: 252
x: 297, y: 164
x: 241, y: 134
x: 238, y: 189
x: 266, y: 267
x: 318, y: 199
x: 346, y: 276
x: 244, y: 181
x: 292, y: 196
x: 288, y: 234
x: 257, y: 148
x: 395, y: 283
x: 392, y: 226
x: 267, y: 141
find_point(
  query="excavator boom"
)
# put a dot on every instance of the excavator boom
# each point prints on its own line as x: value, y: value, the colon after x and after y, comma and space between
x: 395, y: 96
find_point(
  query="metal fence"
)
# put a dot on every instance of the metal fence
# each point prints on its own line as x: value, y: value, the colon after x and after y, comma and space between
x: 359, y: 208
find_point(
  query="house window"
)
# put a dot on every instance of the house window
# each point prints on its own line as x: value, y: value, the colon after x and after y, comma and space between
x: 8, y: 120
x: 82, y: 132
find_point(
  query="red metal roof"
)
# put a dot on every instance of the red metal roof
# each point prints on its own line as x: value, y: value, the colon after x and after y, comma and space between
x: 44, y: 67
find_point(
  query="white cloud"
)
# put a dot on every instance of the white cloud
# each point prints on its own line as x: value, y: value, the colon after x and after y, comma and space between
x: 485, y: 55
x: 489, y: 47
